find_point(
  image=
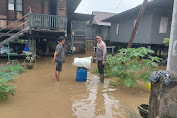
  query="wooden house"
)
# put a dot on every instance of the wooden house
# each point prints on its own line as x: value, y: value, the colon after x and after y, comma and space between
x: 155, y: 25
x: 40, y: 20
x: 96, y: 26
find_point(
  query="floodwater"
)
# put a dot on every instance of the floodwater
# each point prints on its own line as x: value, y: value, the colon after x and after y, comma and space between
x: 38, y: 95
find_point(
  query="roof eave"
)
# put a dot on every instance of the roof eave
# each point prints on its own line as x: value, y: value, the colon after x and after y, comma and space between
x: 110, y: 19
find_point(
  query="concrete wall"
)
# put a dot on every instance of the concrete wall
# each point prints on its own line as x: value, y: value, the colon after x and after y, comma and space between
x: 165, y: 107
x: 156, y: 37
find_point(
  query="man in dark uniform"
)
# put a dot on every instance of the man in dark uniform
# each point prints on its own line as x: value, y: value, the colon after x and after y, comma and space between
x: 59, y: 56
x: 101, y: 53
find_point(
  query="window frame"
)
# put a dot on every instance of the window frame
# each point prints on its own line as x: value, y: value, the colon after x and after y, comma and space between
x: 9, y: 2
x: 15, y: 3
x: 21, y: 4
x: 117, y: 28
x: 163, y: 28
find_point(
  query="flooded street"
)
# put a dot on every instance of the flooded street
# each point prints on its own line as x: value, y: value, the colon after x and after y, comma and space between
x: 38, y: 95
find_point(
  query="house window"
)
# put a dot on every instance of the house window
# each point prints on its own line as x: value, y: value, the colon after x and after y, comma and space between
x: 163, y: 25
x: 117, y: 30
x: 18, y: 5
x: 11, y: 5
x: 135, y: 22
x: 15, y: 3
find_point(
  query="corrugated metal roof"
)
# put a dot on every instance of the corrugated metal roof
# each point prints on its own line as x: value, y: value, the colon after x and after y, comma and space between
x: 99, y: 16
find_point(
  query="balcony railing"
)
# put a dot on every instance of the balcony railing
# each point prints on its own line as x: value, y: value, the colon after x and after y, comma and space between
x: 47, y: 22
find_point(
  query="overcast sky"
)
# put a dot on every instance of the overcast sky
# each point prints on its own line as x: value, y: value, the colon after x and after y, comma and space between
x: 116, y: 6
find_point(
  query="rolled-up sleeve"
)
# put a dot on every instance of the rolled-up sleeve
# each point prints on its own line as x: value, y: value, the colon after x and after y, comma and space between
x: 104, y: 52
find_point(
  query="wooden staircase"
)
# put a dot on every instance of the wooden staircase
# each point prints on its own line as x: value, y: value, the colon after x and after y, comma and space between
x: 14, y: 36
x: 6, y: 37
x: 35, y: 22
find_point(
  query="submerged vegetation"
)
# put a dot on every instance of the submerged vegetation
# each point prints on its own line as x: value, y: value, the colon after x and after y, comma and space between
x: 130, y: 65
x: 6, y: 76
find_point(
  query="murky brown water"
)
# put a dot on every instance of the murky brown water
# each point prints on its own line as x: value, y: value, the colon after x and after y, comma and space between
x: 38, y: 95
x: 3, y: 64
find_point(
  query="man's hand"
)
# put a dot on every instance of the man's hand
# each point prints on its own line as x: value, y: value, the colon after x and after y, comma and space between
x: 53, y: 60
x: 103, y: 62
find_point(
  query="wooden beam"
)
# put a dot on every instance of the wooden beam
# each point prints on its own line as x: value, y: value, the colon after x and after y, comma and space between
x: 10, y: 34
x: 137, y: 23
x: 42, y: 6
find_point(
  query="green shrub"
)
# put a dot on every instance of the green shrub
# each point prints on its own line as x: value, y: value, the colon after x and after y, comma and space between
x: 6, y: 75
x: 5, y: 90
x: 166, y: 41
x: 131, y: 64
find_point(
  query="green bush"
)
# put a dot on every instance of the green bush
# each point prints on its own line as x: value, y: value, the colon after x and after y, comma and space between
x: 166, y: 41
x: 130, y: 65
x: 6, y: 75
x: 5, y: 90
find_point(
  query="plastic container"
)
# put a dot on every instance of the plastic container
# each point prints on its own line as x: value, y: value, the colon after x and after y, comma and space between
x: 26, y: 48
x: 143, y: 110
x: 81, y: 74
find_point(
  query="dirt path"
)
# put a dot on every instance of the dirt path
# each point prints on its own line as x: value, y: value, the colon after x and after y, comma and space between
x: 38, y: 95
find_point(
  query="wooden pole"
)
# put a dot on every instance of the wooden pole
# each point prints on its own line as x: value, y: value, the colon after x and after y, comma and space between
x: 137, y: 23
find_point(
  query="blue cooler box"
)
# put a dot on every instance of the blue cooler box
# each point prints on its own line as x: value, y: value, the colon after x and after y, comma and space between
x: 81, y: 74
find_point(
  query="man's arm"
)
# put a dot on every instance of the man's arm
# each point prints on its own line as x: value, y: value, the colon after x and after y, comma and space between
x: 104, y: 53
x: 55, y: 54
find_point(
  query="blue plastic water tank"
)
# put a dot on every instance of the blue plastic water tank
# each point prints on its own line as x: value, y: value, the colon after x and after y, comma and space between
x: 81, y: 74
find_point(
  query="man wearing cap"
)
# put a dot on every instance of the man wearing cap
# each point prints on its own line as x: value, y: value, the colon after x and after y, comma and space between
x: 58, y: 56
x: 101, y: 56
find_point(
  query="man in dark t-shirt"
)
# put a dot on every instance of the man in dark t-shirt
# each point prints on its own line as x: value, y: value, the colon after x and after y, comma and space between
x: 58, y: 56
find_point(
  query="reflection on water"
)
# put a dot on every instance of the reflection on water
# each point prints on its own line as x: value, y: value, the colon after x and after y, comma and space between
x: 99, y: 103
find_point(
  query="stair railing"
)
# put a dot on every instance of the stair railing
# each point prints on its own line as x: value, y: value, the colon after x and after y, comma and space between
x: 14, y: 22
x: 14, y: 29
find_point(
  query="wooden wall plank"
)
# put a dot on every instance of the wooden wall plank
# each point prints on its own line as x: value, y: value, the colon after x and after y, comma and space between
x: 35, y: 6
x: 46, y: 6
x: 3, y: 7
x: 15, y: 24
x: 61, y: 8
x: 3, y: 23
